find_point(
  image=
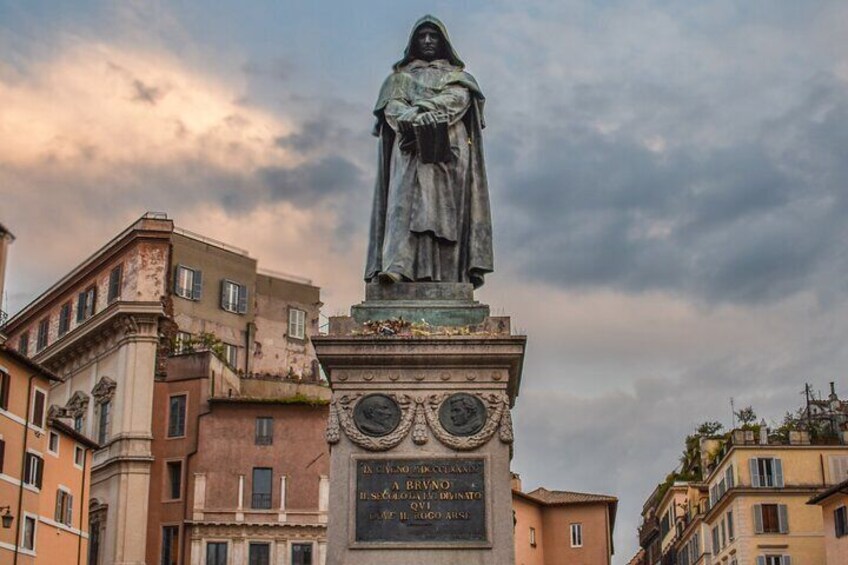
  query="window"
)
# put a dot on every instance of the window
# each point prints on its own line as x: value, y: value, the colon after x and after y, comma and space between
x: 170, y: 545
x: 33, y: 470
x: 2, y: 454
x: 301, y: 554
x: 174, y: 476
x: 730, y: 534
x: 103, y: 422
x: 723, y: 534
x: 260, y: 554
x: 532, y: 537
x: 774, y: 560
x: 264, y: 431
x: 115, y: 276
x: 23, y: 344
x: 64, y: 319
x: 716, y: 544
x: 53, y: 443
x: 177, y: 416
x: 216, y: 553
x: 231, y: 355
x: 297, y: 323
x: 64, y: 507
x: 79, y: 456
x: 39, y: 397
x: 771, y: 519
x: 840, y: 519
x: 261, y: 488
x: 85, y: 303
x: 5, y: 383
x: 43, y: 331
x: 576, y: 535
x: 766, y: 472
x: 79, y: 423
x: 182, y: 343
x: 233, y: 297
x: 28, y: 533
x: 188, y: 283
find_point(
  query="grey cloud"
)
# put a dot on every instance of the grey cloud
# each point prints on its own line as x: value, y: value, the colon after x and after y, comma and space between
x: 144, y: 93
x: 311, y: 182
x: 741, y: 222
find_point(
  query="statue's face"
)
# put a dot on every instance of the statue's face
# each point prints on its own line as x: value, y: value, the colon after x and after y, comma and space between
x: 428, y: 42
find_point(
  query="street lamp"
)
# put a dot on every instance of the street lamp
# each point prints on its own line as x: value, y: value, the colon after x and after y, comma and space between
x: 7, y: 516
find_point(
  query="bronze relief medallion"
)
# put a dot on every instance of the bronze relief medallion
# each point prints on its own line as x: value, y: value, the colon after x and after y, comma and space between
x: 462, y: 414
x: 376, y: 415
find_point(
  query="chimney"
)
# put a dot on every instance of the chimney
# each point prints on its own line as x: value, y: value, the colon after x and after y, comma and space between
x: 763, y: 433
x: 516, y: 482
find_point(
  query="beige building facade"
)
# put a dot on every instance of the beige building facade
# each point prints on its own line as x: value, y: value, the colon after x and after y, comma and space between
x: 108, y: 328
x: 834, y: 507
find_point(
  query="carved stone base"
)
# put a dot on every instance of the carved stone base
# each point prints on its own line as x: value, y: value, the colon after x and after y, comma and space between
x: 420, y: 436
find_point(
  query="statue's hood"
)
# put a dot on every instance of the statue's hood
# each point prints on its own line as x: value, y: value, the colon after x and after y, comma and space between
x: 409, y: 53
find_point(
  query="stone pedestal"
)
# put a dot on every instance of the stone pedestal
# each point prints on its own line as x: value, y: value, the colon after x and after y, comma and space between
x: 420, y: 438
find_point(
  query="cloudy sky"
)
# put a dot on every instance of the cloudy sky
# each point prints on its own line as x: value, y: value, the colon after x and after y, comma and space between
x: 669, y: 185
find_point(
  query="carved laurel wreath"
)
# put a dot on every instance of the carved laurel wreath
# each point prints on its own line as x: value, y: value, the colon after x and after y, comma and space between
x: 341, y: 415
x: 416, y: 414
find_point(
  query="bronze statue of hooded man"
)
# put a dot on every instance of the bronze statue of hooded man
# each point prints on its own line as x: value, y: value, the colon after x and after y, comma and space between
x: 430, y: 219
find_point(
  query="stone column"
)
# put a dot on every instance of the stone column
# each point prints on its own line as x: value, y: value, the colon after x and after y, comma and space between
x: 420, y: 430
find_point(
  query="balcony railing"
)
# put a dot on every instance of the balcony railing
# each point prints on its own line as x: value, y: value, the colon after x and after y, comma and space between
x: 261, y: 501
x: 4, y: 317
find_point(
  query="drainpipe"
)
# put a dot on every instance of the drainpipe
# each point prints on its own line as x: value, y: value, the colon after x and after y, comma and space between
x: 23, y: 468
x: 82, y: 502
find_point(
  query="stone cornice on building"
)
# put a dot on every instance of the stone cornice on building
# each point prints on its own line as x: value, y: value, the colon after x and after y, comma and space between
x: 103, y: 332
x: 734, y: 492
x: 148, y: 227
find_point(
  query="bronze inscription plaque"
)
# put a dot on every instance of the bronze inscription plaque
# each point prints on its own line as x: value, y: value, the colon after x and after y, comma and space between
x: 420, y: 500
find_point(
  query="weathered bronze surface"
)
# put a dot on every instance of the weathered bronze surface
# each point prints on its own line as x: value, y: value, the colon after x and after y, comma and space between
x: 420, y: 500
x: 462, y: 414
x: 431, y: 217
x: 376, y: 415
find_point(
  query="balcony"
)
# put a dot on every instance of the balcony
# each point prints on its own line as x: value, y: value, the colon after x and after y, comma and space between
x: 4, y: 317
x: 649, y: 528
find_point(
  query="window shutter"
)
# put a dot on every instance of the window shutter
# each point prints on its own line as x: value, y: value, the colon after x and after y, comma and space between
x: 81, y: 307
x: 729, y: 476
x: 242, y: 299
x: 27, y: 467
x: 755, y: 473
x: 5, y: 383
x: 57, y: 513
x: 2, y: 454
x: 225, y: 302
x: 69, y: 511
x: 758, y: 518
x: 787, y: 560
x: 197, y: 286
x: 761, y: 560
x: 783, y: 517
x: 39, y: 476
x: 778, y: 473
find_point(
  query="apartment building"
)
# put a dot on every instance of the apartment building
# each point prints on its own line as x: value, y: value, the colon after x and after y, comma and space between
x: 108, y: 328
x: 833, y: 502
x: 562, y: 527
x: 241, y: 467
x: 751, y: 504
x: 45, y: 470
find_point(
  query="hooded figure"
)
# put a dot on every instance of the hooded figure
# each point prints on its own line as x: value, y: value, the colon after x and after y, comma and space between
x: 430, y: 220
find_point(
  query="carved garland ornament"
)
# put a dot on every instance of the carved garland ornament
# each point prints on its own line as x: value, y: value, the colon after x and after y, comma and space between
x: 417, y: 414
